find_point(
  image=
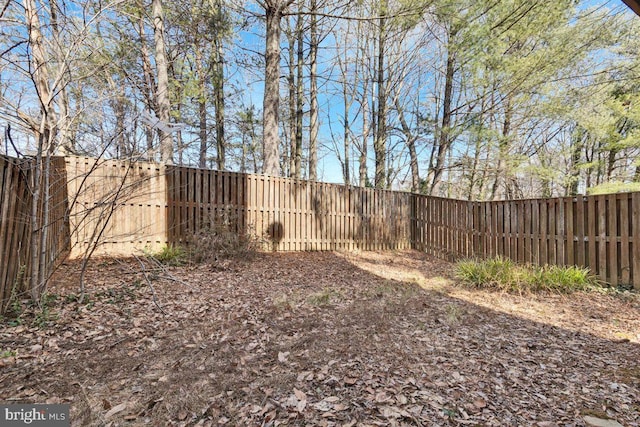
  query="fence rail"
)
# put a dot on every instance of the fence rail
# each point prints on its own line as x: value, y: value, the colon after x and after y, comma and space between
x: 118, y: 207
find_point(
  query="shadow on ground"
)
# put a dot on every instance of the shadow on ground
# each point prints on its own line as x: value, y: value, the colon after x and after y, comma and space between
x: 317, y: 339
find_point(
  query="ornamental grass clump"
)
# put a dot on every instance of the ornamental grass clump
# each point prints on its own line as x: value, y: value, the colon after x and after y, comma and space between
x: 504, y: 275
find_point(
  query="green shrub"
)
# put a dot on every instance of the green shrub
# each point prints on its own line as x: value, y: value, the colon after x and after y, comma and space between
x: 561, y: 279
x: 497, y: 273
x: 171, y: 255
x: 503, y: 274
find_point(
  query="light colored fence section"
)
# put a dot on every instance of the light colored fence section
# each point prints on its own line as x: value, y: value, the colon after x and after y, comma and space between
x: 116, y: 206
x: 16, y: 201
x: 127, y: 207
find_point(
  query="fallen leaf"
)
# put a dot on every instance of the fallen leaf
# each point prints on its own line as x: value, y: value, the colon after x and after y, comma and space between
x: 116, y: 409
x: 282, y: 356
x: 323, y: 406
x: 480, y: 403
x: 300, y: 395
x: 350, y: 380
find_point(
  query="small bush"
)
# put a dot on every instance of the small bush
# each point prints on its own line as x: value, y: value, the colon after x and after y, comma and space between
x: 172, y: 255
x: 497, y: 273
x: 503, y: 274
x: 561, y: 279
x: 221, y: 238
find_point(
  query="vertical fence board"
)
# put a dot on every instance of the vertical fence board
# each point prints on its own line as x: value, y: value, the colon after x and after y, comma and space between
x: 602, y: 237
x: 612, y: 211
x: 570, y: 243
x: 562, y: 242
x: 625, y: 233
x: 592, y: 229
x: 553, y: 232
x: 635, y: 248
x: 544, y: 236
x: 580, y: 222
x: 535, y: 237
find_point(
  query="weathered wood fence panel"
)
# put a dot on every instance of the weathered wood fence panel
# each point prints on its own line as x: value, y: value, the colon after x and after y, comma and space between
x: 158, y: 205
x: 600, y: 232
x: 117, y: 207
x: 14, y: 226
x: 16, y: 202
x: 290, y: 215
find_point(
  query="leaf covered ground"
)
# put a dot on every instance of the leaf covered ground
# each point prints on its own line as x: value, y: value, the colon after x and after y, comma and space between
x: 344, y: 339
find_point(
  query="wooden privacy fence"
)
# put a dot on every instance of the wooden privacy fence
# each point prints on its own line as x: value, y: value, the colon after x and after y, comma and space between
x: 598, y: 232
x: 160, y: 205
x: 291, y: 215
x: 117, y: 207
x: 16, y: 202
x: 128, y: 206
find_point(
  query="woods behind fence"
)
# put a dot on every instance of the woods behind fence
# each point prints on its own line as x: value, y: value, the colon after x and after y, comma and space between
x: 119, y: 207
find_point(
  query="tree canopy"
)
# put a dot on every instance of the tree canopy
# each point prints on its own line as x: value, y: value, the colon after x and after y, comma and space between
x: 474, y: 100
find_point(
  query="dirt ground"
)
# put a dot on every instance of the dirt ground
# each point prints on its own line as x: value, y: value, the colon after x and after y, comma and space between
x: 349, y: 339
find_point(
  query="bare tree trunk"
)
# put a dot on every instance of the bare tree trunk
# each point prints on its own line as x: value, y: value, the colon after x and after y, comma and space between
x: 150, y: 85
x: 366, y: 111
x: 44, y: 222
x: 577, y: 142
x: 313, y: 93
x: 218, y: 99
x: 36, y: 185
x: 611, y: 162
x: 202, y: 109
x: 202, y: 114
x: 347, y: 97
x: 119, y: 110
x: 346, y: 173
x: 162, y: 92
x: 410, y: 141
x: 297, y: 154
x: 291, y: 82
x: 271, y: 137
x: 254, y: 146
x: 444, y: 140
x: 243, y: 156
x: 380, y: 140
x: 502, y: 173
x: 180, y: 147
x: 45, y: 134
x: 66, y: 145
